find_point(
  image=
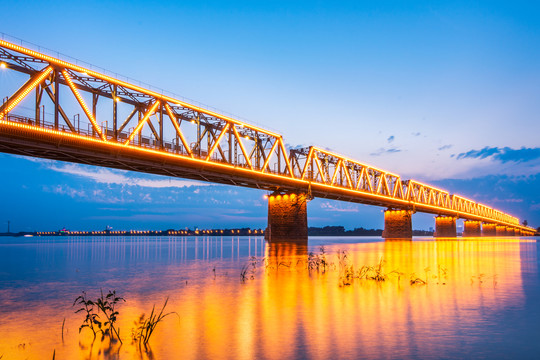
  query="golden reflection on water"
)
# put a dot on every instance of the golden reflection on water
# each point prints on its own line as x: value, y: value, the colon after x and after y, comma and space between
x: 288, y: 311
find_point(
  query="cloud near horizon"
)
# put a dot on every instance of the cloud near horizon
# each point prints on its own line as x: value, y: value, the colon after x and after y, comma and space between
x: 502, y: 155
x: 327, y: 206
x: 445, y: 147
x: 119, y: 177
x: 385, y: 151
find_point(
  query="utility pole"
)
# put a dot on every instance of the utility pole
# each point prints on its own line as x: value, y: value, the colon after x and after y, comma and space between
x: 8, y: 226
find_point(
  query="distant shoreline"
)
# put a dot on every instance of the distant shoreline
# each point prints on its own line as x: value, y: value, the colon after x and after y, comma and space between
x: 312, y: 231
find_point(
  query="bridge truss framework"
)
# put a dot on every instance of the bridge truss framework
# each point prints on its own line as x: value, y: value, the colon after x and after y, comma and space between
x: 129, y: 127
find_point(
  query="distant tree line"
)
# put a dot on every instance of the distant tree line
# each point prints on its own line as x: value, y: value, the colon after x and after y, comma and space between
x: 340, y: 231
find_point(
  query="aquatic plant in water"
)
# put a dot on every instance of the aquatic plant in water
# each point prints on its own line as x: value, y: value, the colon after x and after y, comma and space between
x: 248, y: 270
x: 145, y: 326
x: 416, y: 280
x: 347, y: 273
x: 101, y: 314
x: 376, y: 272
x: 318, y: 262
x: 346, y: 270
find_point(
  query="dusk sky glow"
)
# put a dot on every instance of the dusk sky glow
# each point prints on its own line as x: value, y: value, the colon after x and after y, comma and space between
x: 444, y: 94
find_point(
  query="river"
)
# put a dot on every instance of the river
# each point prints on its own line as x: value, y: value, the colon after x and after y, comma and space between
x: 242, y: 298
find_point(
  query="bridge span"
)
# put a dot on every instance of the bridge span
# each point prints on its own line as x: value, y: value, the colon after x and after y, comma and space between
x: 64, y: 111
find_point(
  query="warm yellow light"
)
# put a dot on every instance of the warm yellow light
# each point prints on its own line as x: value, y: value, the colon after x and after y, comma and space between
x: 270, y: 153
x: 463, y: 212
x: 83, y: 105
x: 106, y: 78
x: 25, y: 91
x: 3, y: 65
x: 246, y: 157
x: 178, y: 131
x: 143, y: 121
x: 216, y: 143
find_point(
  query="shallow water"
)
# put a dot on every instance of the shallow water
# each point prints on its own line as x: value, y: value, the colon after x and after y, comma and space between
x: 481, y: 298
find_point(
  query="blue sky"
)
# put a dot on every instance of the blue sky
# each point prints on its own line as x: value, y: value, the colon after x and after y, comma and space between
x: 442, y: 93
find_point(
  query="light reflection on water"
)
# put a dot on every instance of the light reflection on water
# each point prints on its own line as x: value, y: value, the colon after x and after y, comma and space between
x: 481, y: 298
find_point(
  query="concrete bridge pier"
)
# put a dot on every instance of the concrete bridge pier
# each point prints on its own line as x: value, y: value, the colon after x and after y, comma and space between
x: 397, y: 224
x: 445, y: 226
x: 510, y: 231
x: 489, y: 229
x: 472, y: 228
x: 287, y: 218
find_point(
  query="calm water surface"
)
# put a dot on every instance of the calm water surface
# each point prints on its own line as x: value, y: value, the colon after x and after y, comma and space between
x: 481, y: 300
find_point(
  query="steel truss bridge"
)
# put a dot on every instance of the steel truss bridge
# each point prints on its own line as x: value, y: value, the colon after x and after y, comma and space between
x: 128, y: 127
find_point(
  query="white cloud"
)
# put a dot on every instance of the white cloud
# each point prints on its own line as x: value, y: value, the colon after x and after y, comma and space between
x: 430, y: 165
x: 472, y: 168
x: 342, y: 208
x: 95, y: 195
x: 496, y: 199
x: 118, y: 177
x: 66, y: 190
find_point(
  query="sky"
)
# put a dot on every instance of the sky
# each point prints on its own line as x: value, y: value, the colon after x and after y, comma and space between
x: 447, y: 94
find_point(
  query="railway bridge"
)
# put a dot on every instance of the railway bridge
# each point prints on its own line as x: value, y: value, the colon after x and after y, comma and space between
x: 101, y: 120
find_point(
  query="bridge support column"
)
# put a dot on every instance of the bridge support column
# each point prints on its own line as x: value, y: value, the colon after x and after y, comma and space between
x: 500, y: 230
x: 445, y: 226
x: 397, y: 224
x: 489, y: 229
x: 510, y: 231
x: 287, y: 217
x: 472, y: 228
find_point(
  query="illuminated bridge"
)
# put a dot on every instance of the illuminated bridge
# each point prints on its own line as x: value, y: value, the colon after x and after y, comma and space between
x: 62, y: 111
